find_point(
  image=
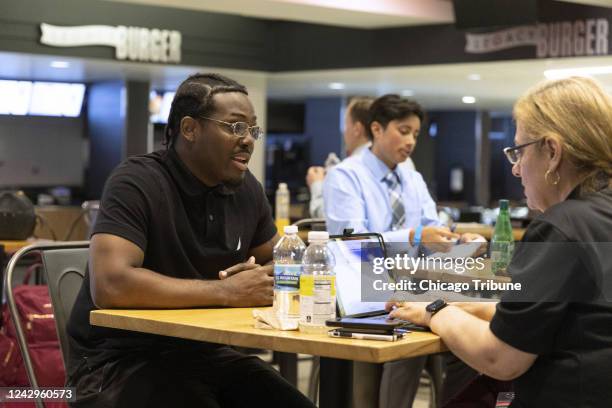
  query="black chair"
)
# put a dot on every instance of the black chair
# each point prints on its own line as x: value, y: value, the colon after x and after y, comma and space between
x: 2, y: 263
x: 64, y: 265
x: 311, y: 224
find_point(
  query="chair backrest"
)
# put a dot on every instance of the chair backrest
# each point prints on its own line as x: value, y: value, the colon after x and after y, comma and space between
x: 313, y: 224
x: 2, y: 263
x: 65, y: 270
x: 65, y: 264
x: 309, y: 224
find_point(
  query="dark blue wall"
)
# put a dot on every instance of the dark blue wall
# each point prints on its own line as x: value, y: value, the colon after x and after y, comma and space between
x: 503, y: 183
x: 106, y: 128
x: 455, y: 145
x: 424, y: 158
x: 322, y: 127
x: 137, y: 117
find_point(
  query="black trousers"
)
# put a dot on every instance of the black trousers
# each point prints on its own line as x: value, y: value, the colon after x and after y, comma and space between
x: 215, y: 378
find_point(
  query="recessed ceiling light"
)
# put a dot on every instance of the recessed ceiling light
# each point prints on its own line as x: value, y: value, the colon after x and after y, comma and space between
x: 408, y: 92
x: 60, y: 64
x: 336, y: 85
x: 468, y: 99
x: 474, y: 77
x: 582, y: 71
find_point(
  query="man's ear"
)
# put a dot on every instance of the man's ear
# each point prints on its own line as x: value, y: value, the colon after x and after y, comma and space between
x: 360, y: 131
x: 188, y: 128
x: 377, y: 130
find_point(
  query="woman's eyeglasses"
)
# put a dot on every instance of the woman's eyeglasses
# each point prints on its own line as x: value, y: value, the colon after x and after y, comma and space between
x: 240, y: 129
x: 513, y: 154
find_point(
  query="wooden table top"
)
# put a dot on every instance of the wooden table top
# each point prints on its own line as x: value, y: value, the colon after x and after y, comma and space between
x: 485, y: 230
x: 234, y: 326
x: 10, y: 247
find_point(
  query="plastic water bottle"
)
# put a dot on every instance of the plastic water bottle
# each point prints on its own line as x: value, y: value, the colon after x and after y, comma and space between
x: 502, y: 243
x: 282, y: 207
x: 317, y: 285
x: 288, y: 254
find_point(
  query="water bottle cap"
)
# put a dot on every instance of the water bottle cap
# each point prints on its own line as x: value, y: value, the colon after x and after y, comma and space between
x: 503, y: 204
x: 290, y: 229
x: 282, y: 186
x: 318, y: 236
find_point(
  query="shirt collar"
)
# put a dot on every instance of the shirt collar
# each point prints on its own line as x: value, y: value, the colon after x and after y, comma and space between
x: 378, y: 167
x: 186, y: 180
x: 602, y: 184
x: 362, y: 148
x: 574, y: 194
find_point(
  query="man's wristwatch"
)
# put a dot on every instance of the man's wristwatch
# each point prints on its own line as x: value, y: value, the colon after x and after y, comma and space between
x: 435, y: 306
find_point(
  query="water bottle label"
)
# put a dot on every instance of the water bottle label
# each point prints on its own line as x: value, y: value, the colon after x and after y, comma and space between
x: 317, y: 299
x: 325, y: 284
x: 287, y: 277
x: 306, y: 309
x: 324, y: 299
x: 306, y: 285
x: 309, y: 284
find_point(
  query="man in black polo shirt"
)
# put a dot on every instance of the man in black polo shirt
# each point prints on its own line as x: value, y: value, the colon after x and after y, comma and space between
x: 185, y: 227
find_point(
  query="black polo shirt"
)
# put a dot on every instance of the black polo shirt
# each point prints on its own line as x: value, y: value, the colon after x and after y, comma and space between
x: 186, y: 230
x: 572, y: 338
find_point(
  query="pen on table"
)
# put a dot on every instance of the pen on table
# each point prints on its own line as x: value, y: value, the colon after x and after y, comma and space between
x: 452, y: 228
x: 365, y: 336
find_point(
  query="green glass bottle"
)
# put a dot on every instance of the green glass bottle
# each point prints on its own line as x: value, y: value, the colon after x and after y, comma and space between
x: 502, y: 243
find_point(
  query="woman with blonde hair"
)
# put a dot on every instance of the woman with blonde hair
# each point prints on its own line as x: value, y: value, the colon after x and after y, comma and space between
x: 553, y: 338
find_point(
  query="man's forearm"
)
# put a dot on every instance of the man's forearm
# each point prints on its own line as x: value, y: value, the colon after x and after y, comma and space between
x: 143, y: 288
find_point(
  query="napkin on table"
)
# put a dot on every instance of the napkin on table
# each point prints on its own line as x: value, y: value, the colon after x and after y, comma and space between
x: 267, y: 319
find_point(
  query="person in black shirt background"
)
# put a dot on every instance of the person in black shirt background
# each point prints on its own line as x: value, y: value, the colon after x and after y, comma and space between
x: 554, y: 337
x: 186, y: 227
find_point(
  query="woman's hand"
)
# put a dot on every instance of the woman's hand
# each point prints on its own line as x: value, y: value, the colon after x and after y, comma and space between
x: 482, y: 310
x: 411, y: 311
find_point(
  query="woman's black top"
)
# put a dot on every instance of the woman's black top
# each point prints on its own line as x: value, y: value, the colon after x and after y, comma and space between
x: 563, y: 312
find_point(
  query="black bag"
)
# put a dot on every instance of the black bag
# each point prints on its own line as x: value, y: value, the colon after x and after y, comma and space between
x: 17, y: 216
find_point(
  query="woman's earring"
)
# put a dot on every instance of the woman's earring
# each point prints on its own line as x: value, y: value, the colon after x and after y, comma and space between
x: 556, y: 180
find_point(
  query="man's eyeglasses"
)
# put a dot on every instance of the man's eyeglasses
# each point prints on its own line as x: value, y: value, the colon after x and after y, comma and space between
x: 240, y: 129
x: 513, y: 154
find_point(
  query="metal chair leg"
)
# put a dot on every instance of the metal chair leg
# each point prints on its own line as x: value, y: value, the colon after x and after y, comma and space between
x: 313, y: 382
x: 435, y: 370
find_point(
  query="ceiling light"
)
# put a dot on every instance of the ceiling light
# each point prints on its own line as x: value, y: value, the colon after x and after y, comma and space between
x: 474, y: 77
x: 336, y: 85
x: 583, y: 71
x: 468, y: 99
x: 60, y: 64
x: 407, y: 92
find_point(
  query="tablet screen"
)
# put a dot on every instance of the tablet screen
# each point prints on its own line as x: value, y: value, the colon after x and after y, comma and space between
x: 349, y: 255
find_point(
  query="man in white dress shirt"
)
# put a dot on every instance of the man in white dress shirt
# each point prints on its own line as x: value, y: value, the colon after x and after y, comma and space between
x: 355, y: 141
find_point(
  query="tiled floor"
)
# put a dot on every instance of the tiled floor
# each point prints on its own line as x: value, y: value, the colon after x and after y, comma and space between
x: 304, y: 367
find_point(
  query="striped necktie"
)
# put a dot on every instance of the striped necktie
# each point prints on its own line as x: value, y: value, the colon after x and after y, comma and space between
x: 395, y: 198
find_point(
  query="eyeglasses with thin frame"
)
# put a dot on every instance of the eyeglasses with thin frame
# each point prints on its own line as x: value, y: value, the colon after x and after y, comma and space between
x: 240, y: 129
x: 514, y: 154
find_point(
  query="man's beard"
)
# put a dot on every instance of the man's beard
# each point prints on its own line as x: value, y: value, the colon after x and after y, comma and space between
x: 234, y: 184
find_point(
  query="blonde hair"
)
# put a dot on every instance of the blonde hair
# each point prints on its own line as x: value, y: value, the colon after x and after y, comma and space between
x: 577, y: 112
